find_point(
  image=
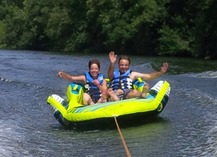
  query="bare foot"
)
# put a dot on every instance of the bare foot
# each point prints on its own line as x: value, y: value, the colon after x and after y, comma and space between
x: 112, y: 95
x: 145, y: 90
x: 103, y: 97
x: 143, y: 95
x: 90, y: 102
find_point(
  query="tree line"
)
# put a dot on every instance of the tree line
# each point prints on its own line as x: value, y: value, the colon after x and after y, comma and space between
x: 142, y: 27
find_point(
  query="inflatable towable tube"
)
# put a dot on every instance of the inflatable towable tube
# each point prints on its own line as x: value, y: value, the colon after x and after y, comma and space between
x: 71, y: 109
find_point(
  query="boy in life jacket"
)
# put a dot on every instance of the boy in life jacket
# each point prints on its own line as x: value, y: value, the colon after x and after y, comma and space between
x: 95, y: 84
x: 122, y: 79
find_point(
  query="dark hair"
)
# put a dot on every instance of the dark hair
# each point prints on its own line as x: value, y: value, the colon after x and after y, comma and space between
x: 124, y: 57
x: 94, y: 61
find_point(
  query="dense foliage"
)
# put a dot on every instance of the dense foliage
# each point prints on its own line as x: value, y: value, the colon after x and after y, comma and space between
x: 149, y: 27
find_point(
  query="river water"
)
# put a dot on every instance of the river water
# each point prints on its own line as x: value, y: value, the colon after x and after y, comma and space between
x: 187, y: 127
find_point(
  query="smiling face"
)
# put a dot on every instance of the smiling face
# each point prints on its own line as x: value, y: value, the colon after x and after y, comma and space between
x: 94, y: 67
x: 94, y: 70
x: 124, y: 65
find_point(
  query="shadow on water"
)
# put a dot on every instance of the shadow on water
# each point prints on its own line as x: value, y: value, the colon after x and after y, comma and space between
x: 109, y: 123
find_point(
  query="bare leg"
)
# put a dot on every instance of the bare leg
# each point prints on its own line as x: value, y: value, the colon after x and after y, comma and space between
x: 90, y: 102
x: 145, y: 90
x: 103, y: 98
x: 133, y: 94
x: 113, y: 96
x: 87, y: 99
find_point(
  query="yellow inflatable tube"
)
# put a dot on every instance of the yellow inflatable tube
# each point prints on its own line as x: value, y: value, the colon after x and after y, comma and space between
x: 74, y: 111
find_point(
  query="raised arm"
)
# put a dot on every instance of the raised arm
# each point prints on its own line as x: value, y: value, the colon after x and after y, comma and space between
x: 112, y: 58
x: 151, y: 76
x: 69, y: 77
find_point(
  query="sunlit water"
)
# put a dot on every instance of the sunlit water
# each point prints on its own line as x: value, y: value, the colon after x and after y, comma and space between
x: 187, y: 127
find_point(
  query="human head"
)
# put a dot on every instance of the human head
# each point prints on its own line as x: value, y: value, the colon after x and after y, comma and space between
x: 124, y: 63
x: 124, y: 57
x: 94, y: 67
x: 94, y: 61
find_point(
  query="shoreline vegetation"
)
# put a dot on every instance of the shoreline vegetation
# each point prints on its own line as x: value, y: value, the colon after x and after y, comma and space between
x: 150, y: 28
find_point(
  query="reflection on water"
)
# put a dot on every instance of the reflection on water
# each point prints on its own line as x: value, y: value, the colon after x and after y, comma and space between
x: 186, y: 127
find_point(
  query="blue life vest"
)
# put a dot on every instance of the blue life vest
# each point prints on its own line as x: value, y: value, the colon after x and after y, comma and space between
x: 91, y: 88
x: 121, y: 81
